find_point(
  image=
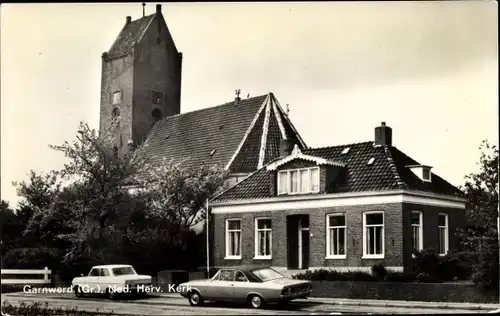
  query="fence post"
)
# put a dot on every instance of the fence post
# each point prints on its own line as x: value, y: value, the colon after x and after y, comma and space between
x: 46, y: 274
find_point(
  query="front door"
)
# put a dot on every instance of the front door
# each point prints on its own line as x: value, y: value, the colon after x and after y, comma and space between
x: 303, y: 232
x: 297, y: 241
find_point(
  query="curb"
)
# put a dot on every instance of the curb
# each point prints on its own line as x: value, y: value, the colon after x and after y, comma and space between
x: 421, y: 305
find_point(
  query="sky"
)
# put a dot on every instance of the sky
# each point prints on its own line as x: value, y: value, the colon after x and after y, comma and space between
x: 428, y: 69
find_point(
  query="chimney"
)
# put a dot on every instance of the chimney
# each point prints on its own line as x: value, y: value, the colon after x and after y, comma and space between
x: 286, y: 147
x: 158, y: 8
x: 383, y: 135
x: 129, y: 19
x: 237, y: 97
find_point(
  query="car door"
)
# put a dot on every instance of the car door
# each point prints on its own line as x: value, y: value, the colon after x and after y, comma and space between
x: 242, y: 286
x: 92, y: 280
x: 104, y: 279
x: 221, y: 288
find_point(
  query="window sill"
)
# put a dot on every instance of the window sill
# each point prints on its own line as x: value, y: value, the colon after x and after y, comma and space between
x: 442, y: 254
x: 232, y: 258
x: 262, y: 257
x: 336, y: 257
x: 373, y: 257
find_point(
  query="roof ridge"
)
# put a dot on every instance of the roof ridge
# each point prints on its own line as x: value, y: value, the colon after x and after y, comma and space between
x: 400, y: 183
x: 208, y: 108
x: 342, y: 145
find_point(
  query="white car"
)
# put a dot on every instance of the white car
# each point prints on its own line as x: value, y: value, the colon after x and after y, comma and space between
x: 112, y: 280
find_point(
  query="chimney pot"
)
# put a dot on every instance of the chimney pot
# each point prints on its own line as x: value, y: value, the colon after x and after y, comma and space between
x: 383, y: 135
x: 129, y: 19
x: 158, y: 8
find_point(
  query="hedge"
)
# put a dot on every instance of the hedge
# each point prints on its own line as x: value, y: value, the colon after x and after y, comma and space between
x: 330, y: 275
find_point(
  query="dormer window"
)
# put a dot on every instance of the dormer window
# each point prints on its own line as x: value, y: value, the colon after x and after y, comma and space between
x: 298, y: 181
x: 421, y: 171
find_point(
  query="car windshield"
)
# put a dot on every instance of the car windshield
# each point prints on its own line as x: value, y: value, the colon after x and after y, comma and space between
x: 123, y: 271
x: 268, y: 274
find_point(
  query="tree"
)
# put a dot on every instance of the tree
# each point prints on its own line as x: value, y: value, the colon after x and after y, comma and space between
x: 10, y: 227
x: 481, y: 235
x: 179, y: 194
x: 96, y: 219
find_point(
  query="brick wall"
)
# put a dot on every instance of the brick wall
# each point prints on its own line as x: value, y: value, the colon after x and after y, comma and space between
x: 117, y: 75
x: 317, y: 223
x: 456, y: 219
x: 157, y: 68
x: 426, y: 292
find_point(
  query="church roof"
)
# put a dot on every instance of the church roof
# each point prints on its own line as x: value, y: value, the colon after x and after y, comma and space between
x: 130, y: 35
x: 241, y: 136
x: 387, y: 171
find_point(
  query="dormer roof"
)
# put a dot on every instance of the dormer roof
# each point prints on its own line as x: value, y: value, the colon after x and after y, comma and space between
x: 297, y: 154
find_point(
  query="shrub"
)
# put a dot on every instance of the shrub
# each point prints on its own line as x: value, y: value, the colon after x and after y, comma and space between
x: 379, y: 271
x: 453, y: 266
x: 330, y: 275
x: 426, y: 262
x: 355, y: 276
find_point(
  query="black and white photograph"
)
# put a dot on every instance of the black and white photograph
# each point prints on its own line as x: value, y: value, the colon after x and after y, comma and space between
x: 249, y: 158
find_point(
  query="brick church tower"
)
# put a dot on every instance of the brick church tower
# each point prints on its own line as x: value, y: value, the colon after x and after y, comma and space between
x: 141, y: 80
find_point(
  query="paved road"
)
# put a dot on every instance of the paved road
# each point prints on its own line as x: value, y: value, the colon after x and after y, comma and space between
x: 180, y: 306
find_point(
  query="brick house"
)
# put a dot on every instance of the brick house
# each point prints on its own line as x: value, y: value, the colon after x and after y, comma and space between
x: 340, y: 207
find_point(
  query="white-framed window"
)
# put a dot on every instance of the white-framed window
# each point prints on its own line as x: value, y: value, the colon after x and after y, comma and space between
x: 417, y: 222
x: 263, y: 238
x: 233, y: 238
x: 298, y: 181
x: 117, y: 97
x: 373, y: 235
x: 336, y: 236
x: 443, y: 234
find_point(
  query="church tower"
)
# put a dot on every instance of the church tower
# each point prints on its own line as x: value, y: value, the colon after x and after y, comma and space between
x: 141, y: 81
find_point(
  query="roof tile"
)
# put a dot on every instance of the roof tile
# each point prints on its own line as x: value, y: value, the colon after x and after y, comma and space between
x: 387, y: 172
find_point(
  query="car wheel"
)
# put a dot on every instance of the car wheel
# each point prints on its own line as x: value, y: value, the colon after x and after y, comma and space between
x: 111, y: 294
x: 195, y: 299
x: 78, y: 291
x: 256, y: 301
